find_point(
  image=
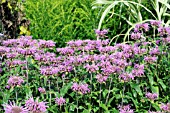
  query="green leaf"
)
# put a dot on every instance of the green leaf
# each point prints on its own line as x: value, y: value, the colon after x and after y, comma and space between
x: 114, y: 110
x: 162, y: 84
x: 150, y: 77
x: 65, y: 89
x: 155, y: 89
x: 86, y: 111
x: 105, y: 93
x: 72, y: 107
x: 137, y: 88
x: 104, y: 106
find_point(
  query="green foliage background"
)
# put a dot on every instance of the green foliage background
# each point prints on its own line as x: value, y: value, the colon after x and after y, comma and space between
x: 61, y: 20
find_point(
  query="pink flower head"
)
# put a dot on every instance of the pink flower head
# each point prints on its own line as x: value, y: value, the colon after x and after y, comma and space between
x: 165, y: 107
x: 136, y: 36
x: 125, y: 109
x: 126, y: 77
x: 15, y: 81
x: 35, y: 106
x: 151, y: 96
x: 144, y: 26
x: 101, y: 78
x: 13, y: 108
x: 101, y: 33
x: 81, y: 88
x: 155, y: 23
x: 150, y: 59
x: 41, y: 90
x: 164, y: 31
x: 60, y: 101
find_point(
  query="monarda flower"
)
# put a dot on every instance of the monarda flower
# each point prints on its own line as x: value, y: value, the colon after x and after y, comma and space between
x: 155, y: 23
x: 138, y: 70
x: 80, y: 88
x: 60, y: 101
x: 165, y: 107
x: 144, y: 26
x: 65, y: 51
x: 151, y: 96
x: 15, y: 81
x: 35, y: 106
x: 125, y: 109
x: 101, y: 33
x: 150, y: 59
x: 136, y: 36
x: 126, y: 77
x: 164, y: 31
x: 41, y: 90
x: 11, y: 55
x: 101, y: 79
x: 46, y: 44
x: 91, y: 68
x: 155, y: 51
x: 13, y: 108
x: 49, y: 70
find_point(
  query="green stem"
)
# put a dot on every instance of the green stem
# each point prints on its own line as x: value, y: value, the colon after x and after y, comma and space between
x: 123, y: 94
x: 109, y: 91
x: 50, y: 91
x: 77, y: 103
x: 16, y: 96
x: 150, y: 106
x: 27, y: 71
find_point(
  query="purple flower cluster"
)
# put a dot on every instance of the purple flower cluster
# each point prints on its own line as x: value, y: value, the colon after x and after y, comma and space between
x: 41, y: 90
x: 144, y: 26
x: 155, y: 23
x: 164, y: 31
x: 101, y: 33
x: 138, y: 33
x: 15, y: 81
x: 13, y: 108
x: 101, y: 78
x: 138, y: 70
x: 80, y: 88
x: 125, y: 109
x: 150, y: 59
x: 35, y: 106
x: 151, y: 96
x: 165, y: 107
x: 60, y: 101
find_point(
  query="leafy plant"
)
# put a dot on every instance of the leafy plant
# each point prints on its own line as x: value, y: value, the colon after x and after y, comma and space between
x: 61, y: 20
x: 136, y: 12
x: 88, y: 75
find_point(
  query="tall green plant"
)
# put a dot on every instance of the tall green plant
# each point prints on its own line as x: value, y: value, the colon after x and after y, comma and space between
x: 61, y: 20
x: 136, y: 10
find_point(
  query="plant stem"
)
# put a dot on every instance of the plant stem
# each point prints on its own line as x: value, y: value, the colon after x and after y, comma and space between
x: 100, y: 97
x: 154, y: 32
x: 109, y: 91
x: 123, y: 94
x: 27, y: 70
x: 150, y: 106
x: 77, y: 103
x: 50, y: 91
x: 16, y: 96
x: 91, y: 88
